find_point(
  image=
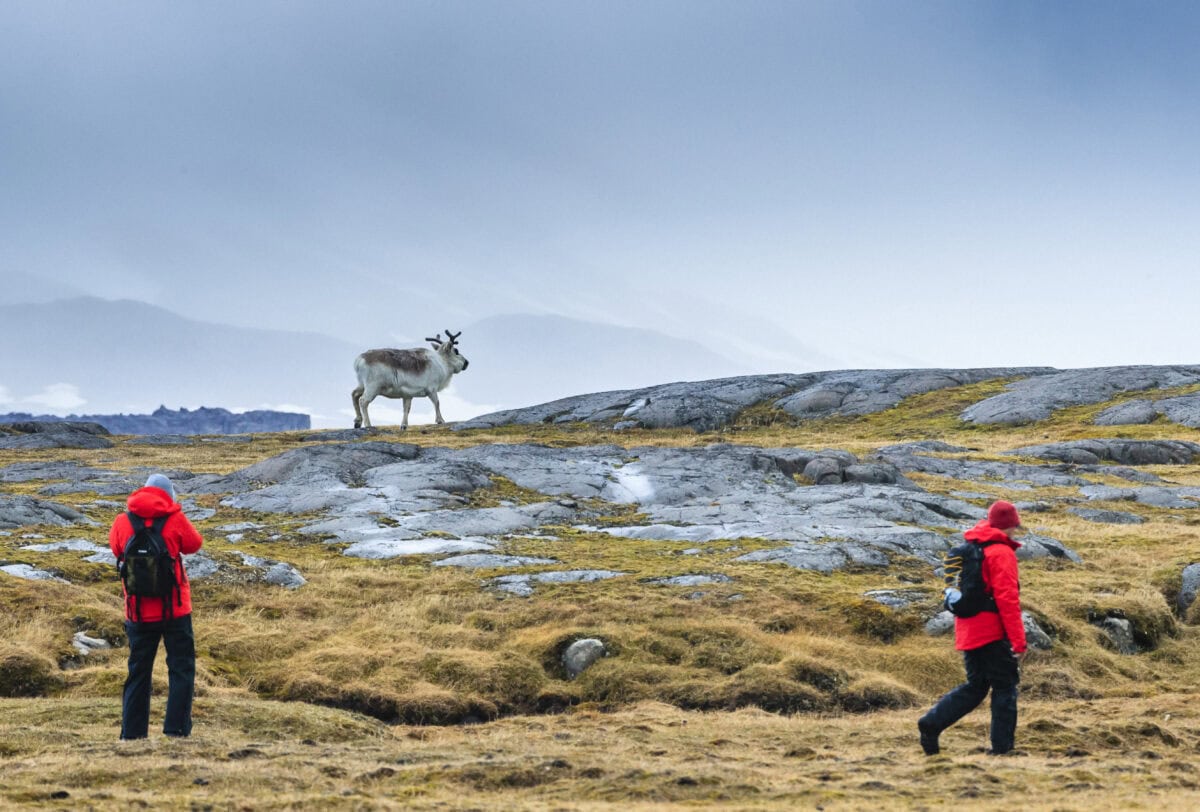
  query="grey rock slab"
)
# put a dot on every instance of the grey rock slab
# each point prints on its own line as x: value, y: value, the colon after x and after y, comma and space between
x: 161, y: 439
x: 861, y: 392
x: 1106, y: 516
x: 337, y: 436
x: 523, y: 585
x: 80, y: 545
x: 923, y: 447
x: 691, y: 580
x: 1012, y: 475
x: 239, y: 527
x: 489, y: 561
x: 22, y: 511
x: 32, y: 471
x: 897, y: 598
x: 1127, y: 452
x: 29, y: 573
x: 497, y: 521
x: 385, y: 548
x: 1183, y: 410
x: 1130, y: 413
x: 1038, y: 397
x: 824, y: 558
x: 1162, y: 497
x: 35, y: 434
x: 581, y: 655
x: 321, y: 465
x: 102, y: 557
x: 1189, y: 587
x: 700, y: 405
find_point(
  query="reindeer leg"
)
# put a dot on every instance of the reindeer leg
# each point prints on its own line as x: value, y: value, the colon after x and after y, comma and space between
x: 365, y: 401
x: 407, y: 406
x: 358, y: 417
x: 437, y: 408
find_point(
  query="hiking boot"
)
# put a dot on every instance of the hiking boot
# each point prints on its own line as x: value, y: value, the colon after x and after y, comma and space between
x: 929, y: 739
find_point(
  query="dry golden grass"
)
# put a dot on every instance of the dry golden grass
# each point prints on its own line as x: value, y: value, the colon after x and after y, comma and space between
x: 781, y: 689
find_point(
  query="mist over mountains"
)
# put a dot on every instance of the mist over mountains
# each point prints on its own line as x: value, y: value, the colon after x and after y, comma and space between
x: 91, y: 355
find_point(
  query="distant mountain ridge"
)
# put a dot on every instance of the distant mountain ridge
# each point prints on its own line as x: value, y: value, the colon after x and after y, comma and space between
x: 179, y: 421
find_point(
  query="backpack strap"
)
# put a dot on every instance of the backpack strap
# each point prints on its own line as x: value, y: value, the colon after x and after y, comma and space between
x: 991, y: 607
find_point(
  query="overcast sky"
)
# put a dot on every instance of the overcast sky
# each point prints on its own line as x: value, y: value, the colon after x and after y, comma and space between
x: 934, y: 183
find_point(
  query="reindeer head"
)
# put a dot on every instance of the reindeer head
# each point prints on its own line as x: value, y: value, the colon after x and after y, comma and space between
x: 448, y: 349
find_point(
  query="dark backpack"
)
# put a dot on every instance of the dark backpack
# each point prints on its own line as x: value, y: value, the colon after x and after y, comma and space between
x: 147, y: 568
x: 964, y: 571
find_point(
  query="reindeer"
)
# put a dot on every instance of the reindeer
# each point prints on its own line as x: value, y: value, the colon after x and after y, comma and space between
x: 407, y: 374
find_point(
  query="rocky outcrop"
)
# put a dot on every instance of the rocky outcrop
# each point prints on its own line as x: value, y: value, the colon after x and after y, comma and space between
x: 709, y: 405
x: 1126, y: 452
x: 19, y: 511
x: 1184, y: 410
x: 164, y: 421
x: 1037, y: 397
x: 29, y: 434
x: 860, y: 392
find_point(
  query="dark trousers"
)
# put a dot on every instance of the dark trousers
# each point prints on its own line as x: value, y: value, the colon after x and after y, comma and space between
x: 176, y: 635
x: 991, y: 667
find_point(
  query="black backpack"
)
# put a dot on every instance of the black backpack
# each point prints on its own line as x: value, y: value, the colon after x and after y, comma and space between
x: 147, y: 568
x: 963, y: 571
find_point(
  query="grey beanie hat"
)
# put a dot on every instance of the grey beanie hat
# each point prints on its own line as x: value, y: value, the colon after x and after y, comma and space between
x: 161, y: 482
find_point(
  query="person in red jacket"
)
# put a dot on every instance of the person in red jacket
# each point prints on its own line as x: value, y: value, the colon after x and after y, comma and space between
x: 992, y: 642
x: 148, y: 620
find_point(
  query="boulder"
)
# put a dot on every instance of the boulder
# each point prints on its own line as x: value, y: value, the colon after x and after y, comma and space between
x: 86, y: 645
x: 939, y: 624
x: 1119, y: 635
x: 581, y: 654
x: 1035, y: 636
x: 824, y: 471
x: 1188, y: 588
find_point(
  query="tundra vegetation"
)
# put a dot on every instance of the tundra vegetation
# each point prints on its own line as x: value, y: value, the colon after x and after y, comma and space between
x: 397, y: 684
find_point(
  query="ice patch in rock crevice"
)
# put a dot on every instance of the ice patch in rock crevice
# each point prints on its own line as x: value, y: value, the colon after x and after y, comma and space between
x: 631, y: 485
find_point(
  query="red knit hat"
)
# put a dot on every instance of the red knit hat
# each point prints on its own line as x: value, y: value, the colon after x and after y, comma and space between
x: 1003, y: 515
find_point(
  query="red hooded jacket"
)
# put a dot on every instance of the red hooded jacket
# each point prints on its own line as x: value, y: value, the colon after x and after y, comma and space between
x: 180, y: 537
x: 1000, y: 576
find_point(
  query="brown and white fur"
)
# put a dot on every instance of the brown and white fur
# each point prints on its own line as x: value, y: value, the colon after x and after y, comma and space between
x: 407, y: 374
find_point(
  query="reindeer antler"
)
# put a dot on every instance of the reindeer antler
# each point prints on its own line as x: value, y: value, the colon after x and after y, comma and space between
x: 438, y: 340
x: 453, y: 336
